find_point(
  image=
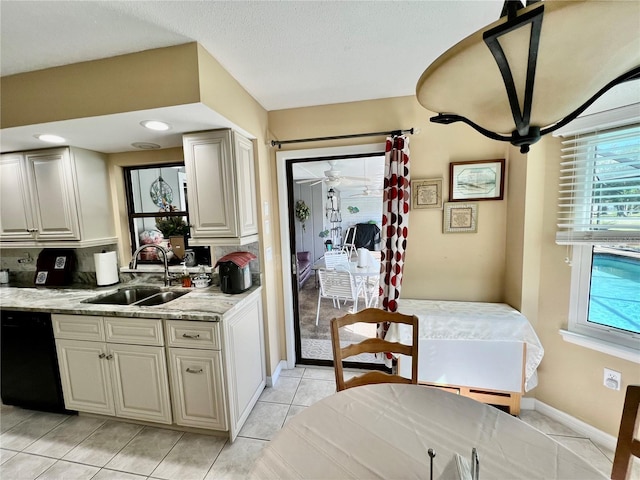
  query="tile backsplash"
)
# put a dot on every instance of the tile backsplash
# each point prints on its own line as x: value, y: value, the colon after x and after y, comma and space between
x: 21, y: 263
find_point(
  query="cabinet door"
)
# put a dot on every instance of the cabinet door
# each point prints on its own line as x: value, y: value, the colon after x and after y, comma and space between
x: 140, y: 385
x: 54, y: 199
x: 211, y: 183
x: 84, y: 372
x: 197, y: 388
x: 16, y: 217
x: 244, y: 361
x: 246, y: 185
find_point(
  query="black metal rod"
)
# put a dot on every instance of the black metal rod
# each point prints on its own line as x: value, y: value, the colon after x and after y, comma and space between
x: 279, y: 143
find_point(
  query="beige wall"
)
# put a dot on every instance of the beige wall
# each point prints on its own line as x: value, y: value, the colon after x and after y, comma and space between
x: 138, y: 81
x: 468, y: 266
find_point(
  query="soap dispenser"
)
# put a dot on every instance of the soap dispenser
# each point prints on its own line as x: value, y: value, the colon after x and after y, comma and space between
x: 186, y: 278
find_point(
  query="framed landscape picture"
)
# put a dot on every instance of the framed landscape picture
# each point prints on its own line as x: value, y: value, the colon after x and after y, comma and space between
x: 476, y: 180
x: 426, y: 193
x: 460, y: 218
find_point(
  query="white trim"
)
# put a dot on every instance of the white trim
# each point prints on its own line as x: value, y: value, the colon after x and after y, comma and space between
x: 597, y: 436
x: 273, y: 379
x: 527, y: 403
x: 602, y: 346
x: 602, y: 120
x: 282, y: 157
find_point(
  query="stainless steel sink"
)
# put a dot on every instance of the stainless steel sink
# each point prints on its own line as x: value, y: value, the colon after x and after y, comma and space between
x: 160, y: 298
x: 143, y: 296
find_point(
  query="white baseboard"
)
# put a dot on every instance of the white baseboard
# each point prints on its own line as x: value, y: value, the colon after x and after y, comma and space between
x: 527, y: 403
x: 273, y: 379
x: 597, y: 436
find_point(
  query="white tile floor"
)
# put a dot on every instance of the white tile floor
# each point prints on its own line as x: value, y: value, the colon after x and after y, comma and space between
x: 45, y: 446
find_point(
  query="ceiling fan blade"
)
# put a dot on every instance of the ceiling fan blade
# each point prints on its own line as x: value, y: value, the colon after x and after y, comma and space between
x: 317, y: 182
x: 307, y: 180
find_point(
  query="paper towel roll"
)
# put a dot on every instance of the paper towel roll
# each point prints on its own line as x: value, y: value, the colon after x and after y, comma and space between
x: 106, y: 268
x: 363, y: 259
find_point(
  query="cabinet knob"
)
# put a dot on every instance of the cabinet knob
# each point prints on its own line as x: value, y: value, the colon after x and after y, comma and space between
x: 191, y: 335
x: 109, y: 357
x: 102, y: 355
x: 194, y: 370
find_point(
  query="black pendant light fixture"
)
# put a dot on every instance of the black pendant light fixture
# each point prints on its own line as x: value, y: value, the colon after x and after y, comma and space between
x: 535, y: 69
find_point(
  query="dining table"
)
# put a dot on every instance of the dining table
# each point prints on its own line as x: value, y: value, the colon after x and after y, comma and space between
x: 386, y: 431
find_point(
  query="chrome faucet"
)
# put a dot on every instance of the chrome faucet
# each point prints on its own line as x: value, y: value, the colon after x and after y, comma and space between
x: 165, y: 256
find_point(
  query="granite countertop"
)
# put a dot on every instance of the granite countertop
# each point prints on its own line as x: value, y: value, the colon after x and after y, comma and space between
x: 204, y: 304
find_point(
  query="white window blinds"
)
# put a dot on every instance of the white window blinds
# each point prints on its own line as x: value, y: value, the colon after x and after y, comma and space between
x: 600, y: 188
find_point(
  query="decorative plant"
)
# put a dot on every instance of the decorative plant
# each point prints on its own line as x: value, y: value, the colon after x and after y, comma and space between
x: 323, y: 234
x: 303, y: 212
x: 172, y: 226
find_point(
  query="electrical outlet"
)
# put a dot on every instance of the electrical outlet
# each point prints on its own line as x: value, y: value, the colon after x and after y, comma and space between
x: 612, y: 379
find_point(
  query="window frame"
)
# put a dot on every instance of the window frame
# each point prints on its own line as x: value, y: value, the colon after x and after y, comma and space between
x: 132, y: 216
x: 581, y: 269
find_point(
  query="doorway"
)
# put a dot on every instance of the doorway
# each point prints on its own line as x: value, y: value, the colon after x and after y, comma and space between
x: 340, y: 187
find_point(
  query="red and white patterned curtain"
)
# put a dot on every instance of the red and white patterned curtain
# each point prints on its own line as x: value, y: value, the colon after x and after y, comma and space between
x: 395, y: 220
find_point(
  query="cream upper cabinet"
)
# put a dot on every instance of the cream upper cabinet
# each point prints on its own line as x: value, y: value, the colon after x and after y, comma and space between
x: 55, y: 197
x: 221, y: 181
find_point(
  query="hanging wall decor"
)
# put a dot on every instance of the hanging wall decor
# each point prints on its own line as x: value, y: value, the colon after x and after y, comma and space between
x: 161, y: 193
x: 303, y: 212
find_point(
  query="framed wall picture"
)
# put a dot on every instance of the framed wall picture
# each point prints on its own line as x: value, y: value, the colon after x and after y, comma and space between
x: 426, y: 193
x: 476, y: 180
x: 460, y: 217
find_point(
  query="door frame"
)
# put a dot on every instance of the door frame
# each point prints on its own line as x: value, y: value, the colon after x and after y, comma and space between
x: 282, y: 159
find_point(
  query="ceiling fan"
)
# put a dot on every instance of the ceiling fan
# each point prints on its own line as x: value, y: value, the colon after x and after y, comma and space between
x: 333, y: 178
x: 367, y: 192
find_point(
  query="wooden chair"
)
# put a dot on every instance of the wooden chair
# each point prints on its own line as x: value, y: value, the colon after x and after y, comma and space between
x: 628, y: 445
x: 373, y: 345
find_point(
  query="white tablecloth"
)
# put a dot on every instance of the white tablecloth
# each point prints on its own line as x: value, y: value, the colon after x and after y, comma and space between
x: 384, y: 431
x: 474, y: 321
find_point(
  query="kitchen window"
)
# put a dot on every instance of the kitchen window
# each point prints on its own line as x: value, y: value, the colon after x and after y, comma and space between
x: 599, y: 217
x: 157, y: 205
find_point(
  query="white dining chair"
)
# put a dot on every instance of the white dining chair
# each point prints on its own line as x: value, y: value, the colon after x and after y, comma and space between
x: 349, y: 244
x: 334, y: 258
x: 337, y: 285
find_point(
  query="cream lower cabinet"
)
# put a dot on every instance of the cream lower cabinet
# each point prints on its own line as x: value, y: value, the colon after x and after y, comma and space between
x: 121, y: 379
x: 197, y: 388
x: 217, y: 369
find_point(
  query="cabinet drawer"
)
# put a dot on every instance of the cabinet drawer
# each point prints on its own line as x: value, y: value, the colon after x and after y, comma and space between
x: 134, y: 331
x: 187, y: 334
x: 78, y: 327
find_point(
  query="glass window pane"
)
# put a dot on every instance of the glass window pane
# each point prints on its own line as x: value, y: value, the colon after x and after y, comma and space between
x: 614, y: 299
x: 159, y: 187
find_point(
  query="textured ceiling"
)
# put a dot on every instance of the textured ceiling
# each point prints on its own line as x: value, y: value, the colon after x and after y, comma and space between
x: 286, y: 54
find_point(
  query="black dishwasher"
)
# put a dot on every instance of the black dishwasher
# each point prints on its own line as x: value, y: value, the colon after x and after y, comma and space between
x: 28, y: 362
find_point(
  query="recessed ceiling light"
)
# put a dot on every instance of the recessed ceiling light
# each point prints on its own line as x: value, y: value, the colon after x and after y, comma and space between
x: 155, y: 125
x: 145, y: 145
x: 46, y: 137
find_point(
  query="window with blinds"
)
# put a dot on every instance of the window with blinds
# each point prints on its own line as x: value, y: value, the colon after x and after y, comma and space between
x: 600, y: 188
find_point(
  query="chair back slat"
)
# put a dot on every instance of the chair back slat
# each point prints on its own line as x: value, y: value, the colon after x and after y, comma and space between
x: 373, y: 345
x: 334, y: 258
x: 628, y: 445
x: 334, y: 283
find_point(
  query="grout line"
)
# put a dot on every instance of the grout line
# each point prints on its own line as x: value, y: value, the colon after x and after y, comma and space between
x: 167, y: 454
